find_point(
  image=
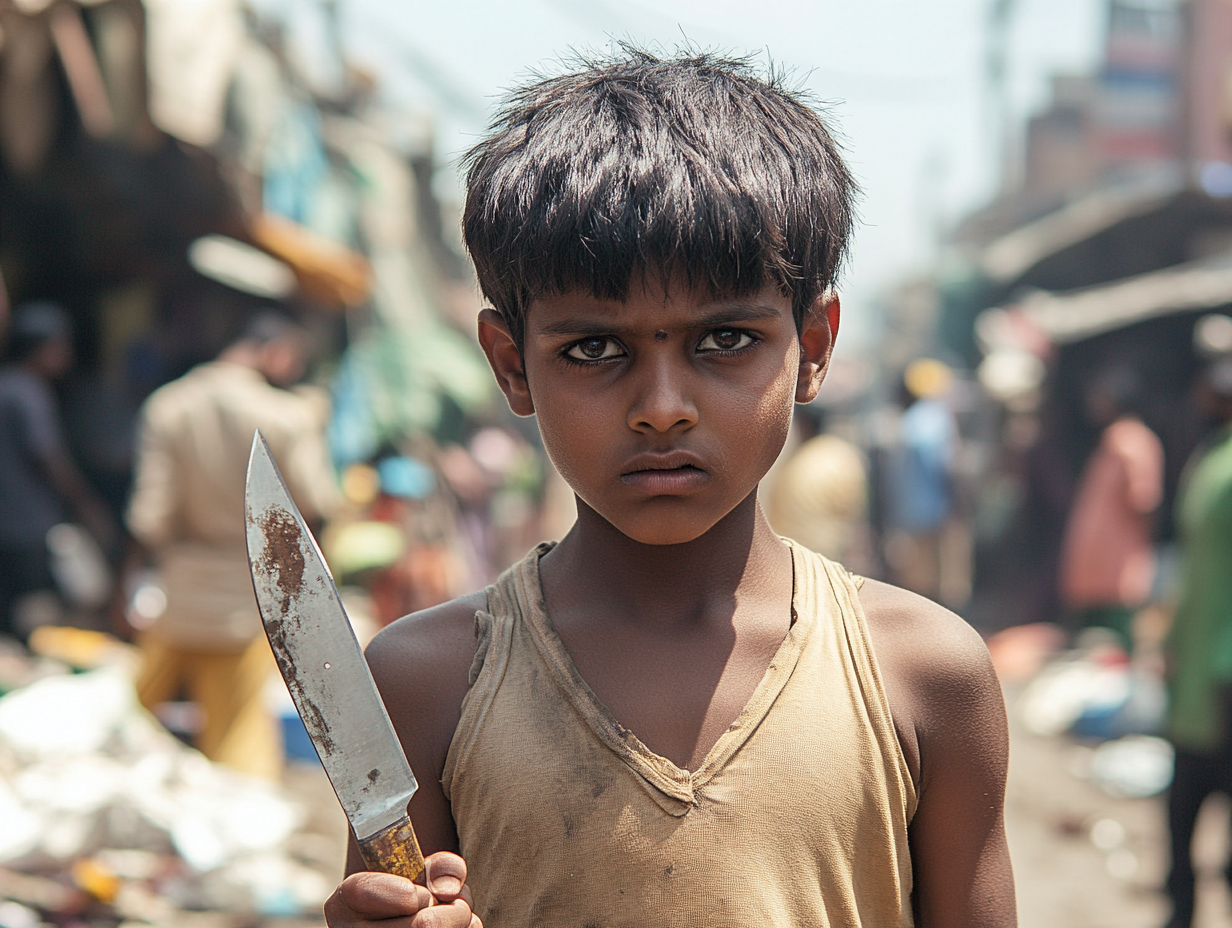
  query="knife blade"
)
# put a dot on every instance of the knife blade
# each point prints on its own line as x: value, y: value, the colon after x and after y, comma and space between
x: 325, y: 672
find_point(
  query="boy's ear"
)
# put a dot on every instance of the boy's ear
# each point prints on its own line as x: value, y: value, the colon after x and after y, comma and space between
x: 506, y: 361
x: 817, y: 334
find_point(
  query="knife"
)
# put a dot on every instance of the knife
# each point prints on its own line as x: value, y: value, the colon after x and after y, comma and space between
x: 326, y: 674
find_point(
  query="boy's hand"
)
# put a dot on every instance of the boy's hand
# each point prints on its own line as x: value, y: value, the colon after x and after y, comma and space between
x: 395, y: 902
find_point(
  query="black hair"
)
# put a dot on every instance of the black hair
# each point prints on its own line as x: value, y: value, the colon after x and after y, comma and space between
x: 694, y: 165
x: 34, y: 324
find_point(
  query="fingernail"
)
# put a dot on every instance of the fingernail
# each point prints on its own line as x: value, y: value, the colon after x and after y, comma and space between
x: 446, y: 885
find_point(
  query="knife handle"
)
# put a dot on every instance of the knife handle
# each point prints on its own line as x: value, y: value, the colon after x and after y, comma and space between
x: 394, y: 850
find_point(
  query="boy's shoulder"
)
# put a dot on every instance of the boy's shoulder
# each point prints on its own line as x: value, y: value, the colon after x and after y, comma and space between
x: 938, y: 678
x: 421, y: 652
x: 936, y: 671
x: 926, y: 653
x: 918, y: 634
x: 421, y: 664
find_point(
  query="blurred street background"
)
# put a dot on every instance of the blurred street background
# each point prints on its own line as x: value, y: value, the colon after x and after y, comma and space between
x: 217, y: 214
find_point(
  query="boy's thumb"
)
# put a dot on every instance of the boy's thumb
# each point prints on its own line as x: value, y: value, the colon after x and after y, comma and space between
x: 446, y: 875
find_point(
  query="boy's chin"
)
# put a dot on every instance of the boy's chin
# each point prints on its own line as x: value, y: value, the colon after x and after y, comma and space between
x: 669, y: 526
x: 668, y: 535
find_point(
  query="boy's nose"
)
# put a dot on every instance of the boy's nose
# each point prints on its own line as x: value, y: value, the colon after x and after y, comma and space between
x: 663, y: 401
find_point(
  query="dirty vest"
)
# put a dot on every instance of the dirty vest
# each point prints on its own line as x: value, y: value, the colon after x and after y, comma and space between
x: 797, y: 817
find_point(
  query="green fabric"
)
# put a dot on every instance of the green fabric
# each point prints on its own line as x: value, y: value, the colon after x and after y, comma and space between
x: 393, y: 382
x: 1200, y: 643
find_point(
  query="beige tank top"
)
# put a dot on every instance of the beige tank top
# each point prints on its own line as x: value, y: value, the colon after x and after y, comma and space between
x: 798, y: 816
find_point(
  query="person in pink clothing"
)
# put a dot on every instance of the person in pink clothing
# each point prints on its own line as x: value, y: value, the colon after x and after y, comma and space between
x: 1107, y: 559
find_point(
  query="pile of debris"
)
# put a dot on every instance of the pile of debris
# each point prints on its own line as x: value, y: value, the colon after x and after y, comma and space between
x: 107, y: 819
x: 1111, y: 705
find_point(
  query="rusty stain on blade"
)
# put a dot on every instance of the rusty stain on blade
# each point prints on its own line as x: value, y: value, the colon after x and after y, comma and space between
x: 283, y: 555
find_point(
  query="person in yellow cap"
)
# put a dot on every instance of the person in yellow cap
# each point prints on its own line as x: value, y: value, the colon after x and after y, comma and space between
x: 921, y: 551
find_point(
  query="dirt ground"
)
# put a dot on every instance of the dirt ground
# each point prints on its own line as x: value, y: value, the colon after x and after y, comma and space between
x: 1057, y: 822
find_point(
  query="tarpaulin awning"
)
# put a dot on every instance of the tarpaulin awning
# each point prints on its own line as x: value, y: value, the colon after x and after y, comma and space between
x: 327, y: 271
x: 1080, y: 314
x: 1015, y: 253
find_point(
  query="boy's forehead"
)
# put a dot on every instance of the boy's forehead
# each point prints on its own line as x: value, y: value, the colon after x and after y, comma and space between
x: 652, y: 305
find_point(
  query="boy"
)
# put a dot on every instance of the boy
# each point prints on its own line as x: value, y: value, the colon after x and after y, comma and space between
x: 673, y: 716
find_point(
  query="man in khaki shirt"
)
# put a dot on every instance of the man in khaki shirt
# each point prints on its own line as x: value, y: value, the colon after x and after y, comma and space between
x: 188, y: 510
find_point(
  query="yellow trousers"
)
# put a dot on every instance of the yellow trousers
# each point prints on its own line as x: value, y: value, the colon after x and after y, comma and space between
x: 237, y: 730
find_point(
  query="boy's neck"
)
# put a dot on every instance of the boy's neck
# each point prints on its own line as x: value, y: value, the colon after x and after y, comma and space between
x: 597, y: 569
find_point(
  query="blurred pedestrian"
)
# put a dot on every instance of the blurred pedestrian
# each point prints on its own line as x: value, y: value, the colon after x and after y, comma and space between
x: 1199, y: 645
x: 923, y: 545
x: 820, y: 497
x: 40, y: 485
x: 188, y: 510
x: 1107, y: 558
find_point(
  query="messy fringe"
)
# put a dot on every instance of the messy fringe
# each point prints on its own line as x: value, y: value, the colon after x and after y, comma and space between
x: 633, y: 164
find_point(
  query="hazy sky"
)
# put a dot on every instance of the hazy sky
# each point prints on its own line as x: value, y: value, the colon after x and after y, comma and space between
x: 904, y: 80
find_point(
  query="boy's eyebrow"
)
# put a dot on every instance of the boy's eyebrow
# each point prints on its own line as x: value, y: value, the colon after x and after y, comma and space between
x: 579, y: 327
x: 741, y: 312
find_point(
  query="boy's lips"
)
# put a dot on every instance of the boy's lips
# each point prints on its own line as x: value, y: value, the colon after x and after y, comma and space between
x: 664, y: 474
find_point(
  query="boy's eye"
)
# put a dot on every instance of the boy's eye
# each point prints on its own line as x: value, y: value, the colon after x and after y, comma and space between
x: 596, y: 348
x: 725, y: 340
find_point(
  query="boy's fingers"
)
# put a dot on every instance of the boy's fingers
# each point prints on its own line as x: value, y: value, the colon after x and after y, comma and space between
x: 456, y: 914
x: 446, y: 875
x: 382, y: 895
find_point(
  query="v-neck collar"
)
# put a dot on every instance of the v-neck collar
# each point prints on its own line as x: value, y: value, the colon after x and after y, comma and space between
x: 674, y: 789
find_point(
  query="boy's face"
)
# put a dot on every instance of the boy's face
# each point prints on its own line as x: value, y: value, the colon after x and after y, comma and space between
x: 662, y: 412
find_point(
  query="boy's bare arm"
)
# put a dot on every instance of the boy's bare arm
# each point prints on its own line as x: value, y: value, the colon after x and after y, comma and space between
x: 421, y: 664
x: 950, y: 719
